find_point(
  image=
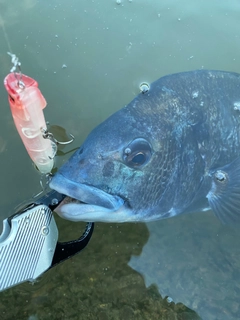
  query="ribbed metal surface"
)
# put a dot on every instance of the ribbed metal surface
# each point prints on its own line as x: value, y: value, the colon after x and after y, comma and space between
x: 20, y: 252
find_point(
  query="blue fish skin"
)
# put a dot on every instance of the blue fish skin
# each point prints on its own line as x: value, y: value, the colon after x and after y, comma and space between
x: 172, y: 150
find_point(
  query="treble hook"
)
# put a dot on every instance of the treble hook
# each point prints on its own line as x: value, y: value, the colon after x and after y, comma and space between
x: 50, y: 136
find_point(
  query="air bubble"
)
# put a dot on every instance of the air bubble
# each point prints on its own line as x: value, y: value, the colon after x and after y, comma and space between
x: 127, y: 151
x: 220, y: 176
x: 144, y: 87
x: 195, y: 94
x: 169, y: 299
x: 237, y: 106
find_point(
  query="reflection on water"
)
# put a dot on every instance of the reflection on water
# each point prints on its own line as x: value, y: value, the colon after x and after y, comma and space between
x: 108, y: 50
x: 195, y: 260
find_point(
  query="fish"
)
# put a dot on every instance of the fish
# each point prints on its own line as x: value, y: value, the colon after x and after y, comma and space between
x: 174, y: 149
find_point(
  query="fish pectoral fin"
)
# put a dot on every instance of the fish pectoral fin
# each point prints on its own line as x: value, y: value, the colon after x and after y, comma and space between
x: 224, y: 196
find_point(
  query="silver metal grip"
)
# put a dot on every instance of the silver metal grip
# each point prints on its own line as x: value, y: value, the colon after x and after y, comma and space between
x: 27, y: 246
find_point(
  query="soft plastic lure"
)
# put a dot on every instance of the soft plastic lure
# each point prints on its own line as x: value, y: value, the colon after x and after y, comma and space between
x: 27, y: 104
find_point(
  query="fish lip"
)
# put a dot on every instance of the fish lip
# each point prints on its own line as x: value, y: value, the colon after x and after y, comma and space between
x: 85, y: 193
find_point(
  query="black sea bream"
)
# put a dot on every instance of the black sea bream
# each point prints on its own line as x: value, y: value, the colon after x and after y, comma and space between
x: 173, y: 149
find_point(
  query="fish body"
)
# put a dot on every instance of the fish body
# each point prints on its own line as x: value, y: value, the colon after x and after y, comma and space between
x: 172, y: 150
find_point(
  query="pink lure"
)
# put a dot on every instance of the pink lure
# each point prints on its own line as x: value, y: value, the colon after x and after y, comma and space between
x: 27, y: 104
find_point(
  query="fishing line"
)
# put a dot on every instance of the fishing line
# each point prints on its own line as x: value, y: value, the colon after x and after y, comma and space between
x: 5, y: 33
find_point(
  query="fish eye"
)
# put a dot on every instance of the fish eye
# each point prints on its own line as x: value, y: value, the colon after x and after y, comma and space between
x: 137, y: 153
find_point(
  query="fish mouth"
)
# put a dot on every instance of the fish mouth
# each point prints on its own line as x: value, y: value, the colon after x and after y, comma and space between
x: 88, y: 203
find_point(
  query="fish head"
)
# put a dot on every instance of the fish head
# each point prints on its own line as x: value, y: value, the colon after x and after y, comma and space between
x: 123, y: 168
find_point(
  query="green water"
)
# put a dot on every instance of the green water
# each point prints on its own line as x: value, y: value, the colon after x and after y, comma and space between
x: 109, y: 49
